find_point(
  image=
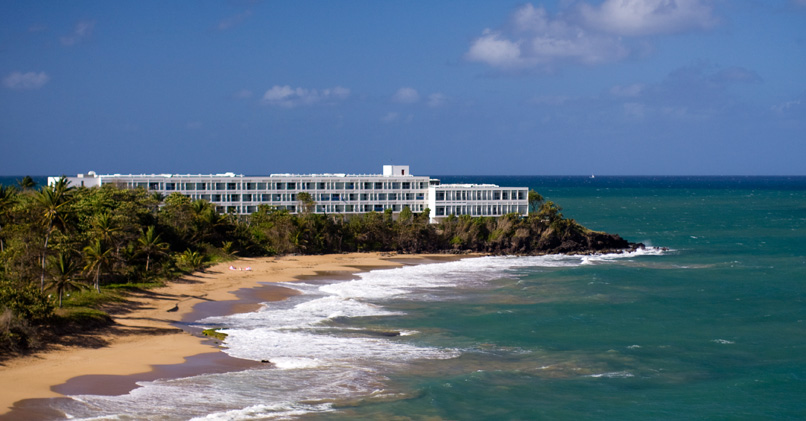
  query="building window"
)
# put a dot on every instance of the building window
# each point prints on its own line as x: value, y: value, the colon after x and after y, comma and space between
x: 153, y: 186
x: 170, y: 186
x: 440, y: 195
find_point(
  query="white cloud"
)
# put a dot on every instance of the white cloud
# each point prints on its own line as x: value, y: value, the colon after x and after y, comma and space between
x: 492, y: 49
x: 30, y: 80
x: 648, y: 17
x: 243, y: 94
x: 790, y: 107
x: 736, y: 75
x: 634, y: 110
x: 406, y: 96
x: 233, y: 20
x: 585, y: 34
x: 436, y: 100
x: 538, y: 40
x: 551, y: 100
x: 629, y: 91
x: 82, y: 31
x: 287, y: 97
x: 390, y: 117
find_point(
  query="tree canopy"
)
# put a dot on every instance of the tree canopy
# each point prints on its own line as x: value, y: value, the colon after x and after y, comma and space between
x: 59, y: 238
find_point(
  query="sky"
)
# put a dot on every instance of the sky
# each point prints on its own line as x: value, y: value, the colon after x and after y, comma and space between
x: 567, y: 87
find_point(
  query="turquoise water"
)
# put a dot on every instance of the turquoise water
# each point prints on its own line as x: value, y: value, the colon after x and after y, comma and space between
x: 712, y: 328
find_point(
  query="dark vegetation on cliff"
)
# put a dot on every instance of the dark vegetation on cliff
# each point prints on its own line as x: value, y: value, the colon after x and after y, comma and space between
x: 67, y: 256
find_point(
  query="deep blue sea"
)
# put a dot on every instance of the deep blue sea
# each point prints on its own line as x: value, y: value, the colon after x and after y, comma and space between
x: 7, y: 180
x: 711, y: 327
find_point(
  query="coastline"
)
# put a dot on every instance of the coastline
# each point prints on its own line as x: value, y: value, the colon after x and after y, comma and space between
x: 145, y: 342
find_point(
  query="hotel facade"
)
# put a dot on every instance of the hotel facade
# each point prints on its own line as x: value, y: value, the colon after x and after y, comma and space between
x: 347, y: 194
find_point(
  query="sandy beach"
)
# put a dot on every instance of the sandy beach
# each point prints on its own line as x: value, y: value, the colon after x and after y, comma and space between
x: 147, y: 336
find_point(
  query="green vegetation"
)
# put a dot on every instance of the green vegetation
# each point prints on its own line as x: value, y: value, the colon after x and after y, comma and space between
x: 69, y: 254
x: 215, y: 334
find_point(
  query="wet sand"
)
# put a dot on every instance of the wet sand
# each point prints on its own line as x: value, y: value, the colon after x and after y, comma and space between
x: 153, y: 340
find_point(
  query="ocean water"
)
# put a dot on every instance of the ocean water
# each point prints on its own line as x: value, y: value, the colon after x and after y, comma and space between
x: 708, y: 324
x: 14, y: 180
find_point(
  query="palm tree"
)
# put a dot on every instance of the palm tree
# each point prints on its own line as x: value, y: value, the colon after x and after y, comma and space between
x: 192, y: 260
x: 535, y: 201
x: 7, y: 197
x: 104, y: 227
x: 98, y: 256
x: 151, y: 244
x: 206, y: 221
x: 64, y: 277
x: 27, y: 183
x: 54, y: 202
x: 306, y: 203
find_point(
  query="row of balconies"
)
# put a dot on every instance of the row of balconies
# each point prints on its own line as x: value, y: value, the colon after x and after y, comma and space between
x: 259, y: 186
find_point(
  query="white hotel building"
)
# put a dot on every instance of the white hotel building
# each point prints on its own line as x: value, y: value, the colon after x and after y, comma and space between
x: 347, y: 194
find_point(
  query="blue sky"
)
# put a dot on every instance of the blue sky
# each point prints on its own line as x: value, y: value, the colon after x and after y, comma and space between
x: 612, y: 87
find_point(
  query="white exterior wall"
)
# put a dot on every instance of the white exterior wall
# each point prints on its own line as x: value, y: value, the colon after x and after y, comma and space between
x: 476, y: 200
x: 89, y: 179
x: 333, y: 193
x: 395, y: 170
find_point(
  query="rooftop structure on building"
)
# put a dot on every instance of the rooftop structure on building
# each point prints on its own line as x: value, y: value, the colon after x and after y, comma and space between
x: 395, y: 189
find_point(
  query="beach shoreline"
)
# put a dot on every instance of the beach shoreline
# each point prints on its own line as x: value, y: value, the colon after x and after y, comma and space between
x: 154, y: 340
